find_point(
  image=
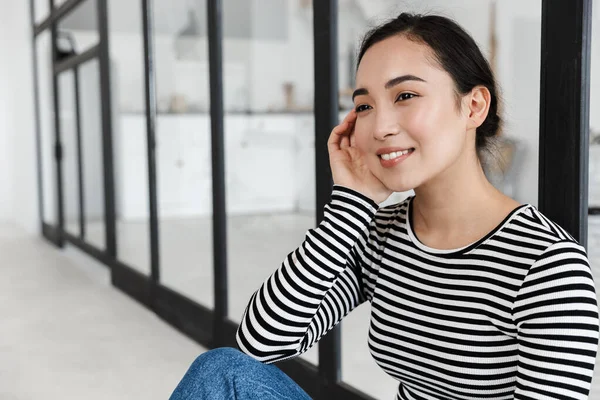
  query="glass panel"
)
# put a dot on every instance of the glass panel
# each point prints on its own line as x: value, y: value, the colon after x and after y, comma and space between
x: 269, y: 130
x: 594, y: 170
x: 78, y: 30
x: 129, y: 133
x: 91, y: 145
x: 41, y: 9
x: 594, y: 196
x: 184, y: 173
x: 517, y: 67
x: 58, y: 3
x: 510, y: 35
x: 46, y: 108
x: 68, y: 138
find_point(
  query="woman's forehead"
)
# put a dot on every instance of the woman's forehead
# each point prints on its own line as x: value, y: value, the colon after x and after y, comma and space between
x: 396, y: 56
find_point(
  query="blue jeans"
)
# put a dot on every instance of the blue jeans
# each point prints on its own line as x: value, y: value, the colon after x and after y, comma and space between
x: 228, y: 374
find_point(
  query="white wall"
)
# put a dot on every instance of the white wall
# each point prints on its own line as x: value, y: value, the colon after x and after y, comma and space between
x: 18, y: 179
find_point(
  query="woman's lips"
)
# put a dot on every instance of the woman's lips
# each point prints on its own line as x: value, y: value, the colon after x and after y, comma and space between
x: 394, y: 158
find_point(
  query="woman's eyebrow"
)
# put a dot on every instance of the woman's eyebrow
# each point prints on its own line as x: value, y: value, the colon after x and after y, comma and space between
x: 398, y: 80
x: 389, y: 84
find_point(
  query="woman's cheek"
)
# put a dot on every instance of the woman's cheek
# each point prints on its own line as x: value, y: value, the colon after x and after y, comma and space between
x: 418, y: 124
x: 361, y: 137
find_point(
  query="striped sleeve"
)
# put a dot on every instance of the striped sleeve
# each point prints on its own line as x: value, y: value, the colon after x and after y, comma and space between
x: 314, y: 288
x: 556, y: 315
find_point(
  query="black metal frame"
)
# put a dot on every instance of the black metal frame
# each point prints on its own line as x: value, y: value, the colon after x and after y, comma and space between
x: 215, y: 53
x: 76, y: 60
x: 563, y: 157
x: 150, y: 87
x: 326, y: 117
x: 107, y: 142
x: 56, y: 14
x: 60, y: 64
x: 564, y: 114
x: 38, y: 128
x: 57, y: 140
x: 81, y: 183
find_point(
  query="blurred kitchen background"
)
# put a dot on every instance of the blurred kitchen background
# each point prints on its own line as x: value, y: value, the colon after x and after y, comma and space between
x: 268, y: 84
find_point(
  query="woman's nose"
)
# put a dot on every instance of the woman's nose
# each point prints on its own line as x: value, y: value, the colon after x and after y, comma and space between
x: 385, y: 127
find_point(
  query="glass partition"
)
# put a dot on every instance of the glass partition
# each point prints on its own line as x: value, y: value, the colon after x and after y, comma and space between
x: 91, y: 153
x: 593, y: 246
x: 130, y: 145
x: 70, y: 151
x: 269, y: 136
x: 78, y: 30
x: 41, y: 10
x: 183, y: 149
x: 46, y: 112
x: 509, y: 34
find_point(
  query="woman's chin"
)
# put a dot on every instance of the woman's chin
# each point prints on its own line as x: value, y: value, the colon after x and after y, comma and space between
x: 399, y: 186
x: 394, y: 182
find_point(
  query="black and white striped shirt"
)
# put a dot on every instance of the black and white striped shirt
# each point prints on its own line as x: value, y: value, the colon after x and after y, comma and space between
x: 511, y: 316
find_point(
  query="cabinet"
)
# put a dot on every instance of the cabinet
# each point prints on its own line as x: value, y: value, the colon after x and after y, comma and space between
x: 260, y: 162
x: 266, y: 167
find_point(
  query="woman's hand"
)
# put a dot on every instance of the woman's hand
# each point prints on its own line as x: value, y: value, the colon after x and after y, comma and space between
x: 348, y: 164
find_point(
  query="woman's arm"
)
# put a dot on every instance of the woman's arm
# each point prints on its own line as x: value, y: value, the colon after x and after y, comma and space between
x: 557, y: 322
x: 315, y: 287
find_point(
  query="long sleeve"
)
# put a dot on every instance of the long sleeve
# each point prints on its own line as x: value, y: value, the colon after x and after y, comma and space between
x: 314, y: 288
x: 557, y: 323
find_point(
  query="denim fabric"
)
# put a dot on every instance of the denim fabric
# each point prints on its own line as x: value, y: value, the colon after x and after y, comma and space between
x: 228, y: 374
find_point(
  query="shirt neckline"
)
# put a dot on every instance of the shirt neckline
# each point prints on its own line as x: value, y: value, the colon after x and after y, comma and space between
x: 459, y: 250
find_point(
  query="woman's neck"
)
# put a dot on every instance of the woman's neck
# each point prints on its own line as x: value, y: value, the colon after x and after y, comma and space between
x: 458, y: 206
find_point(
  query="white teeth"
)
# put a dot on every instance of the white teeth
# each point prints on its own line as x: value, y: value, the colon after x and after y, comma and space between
x: 394, y: 154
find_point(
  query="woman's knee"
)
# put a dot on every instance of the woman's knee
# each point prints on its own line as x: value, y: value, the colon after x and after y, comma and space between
x: 211, y: 375
x: 222, y: 357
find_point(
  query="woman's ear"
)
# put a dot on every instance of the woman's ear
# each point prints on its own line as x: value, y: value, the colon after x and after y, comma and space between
x: 478, y: 106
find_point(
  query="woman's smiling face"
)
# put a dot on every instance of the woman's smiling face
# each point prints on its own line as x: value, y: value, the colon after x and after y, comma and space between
x: 410, y: 125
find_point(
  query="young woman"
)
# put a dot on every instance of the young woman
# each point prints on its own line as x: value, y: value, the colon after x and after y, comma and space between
x: 473, y: 295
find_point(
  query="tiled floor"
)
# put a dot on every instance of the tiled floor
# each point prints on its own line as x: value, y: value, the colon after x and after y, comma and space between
x: 67, y: 334
x: 70, y: 335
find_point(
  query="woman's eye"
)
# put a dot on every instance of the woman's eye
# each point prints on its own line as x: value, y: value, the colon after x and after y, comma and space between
x: 405, y: 96
x: 362, y: 107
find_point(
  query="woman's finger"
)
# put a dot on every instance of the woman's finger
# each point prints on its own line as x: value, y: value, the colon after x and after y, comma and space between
x: 338, y: 132
x: 341, y: 131
x: 345, y: 142
x: 336, y: 135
